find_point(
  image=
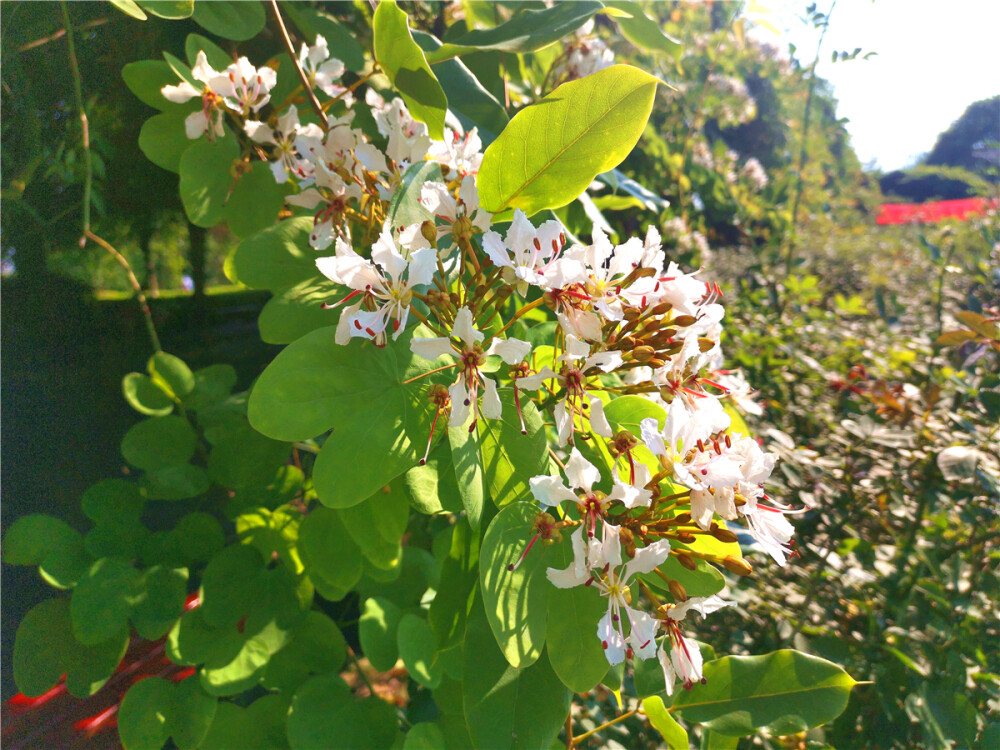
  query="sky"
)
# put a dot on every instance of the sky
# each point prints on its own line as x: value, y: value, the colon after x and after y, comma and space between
x: 934, y: 60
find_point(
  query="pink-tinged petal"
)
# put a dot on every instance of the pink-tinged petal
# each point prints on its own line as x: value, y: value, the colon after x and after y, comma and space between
x: 464, y: 327
x: 423, y: 263
x: 496, y: 250
x: 549, y: 491
x: 431, y: 349
x: 611, y: 640
x: 598, y: 422
x: 702, y: 508
x: 643, y: 634
x: 180, y: 93
x: 669, y: 676
x: 650, y: 431
x: 461, y: 405
x: 687, y: 660
x: 580, y: 472
x: 648, y: 558
x: 510, y: 351
x: 491, y: 408
x: 195, y: 124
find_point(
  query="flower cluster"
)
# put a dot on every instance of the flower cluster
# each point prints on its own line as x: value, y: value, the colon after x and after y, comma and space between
x: 622, y: 322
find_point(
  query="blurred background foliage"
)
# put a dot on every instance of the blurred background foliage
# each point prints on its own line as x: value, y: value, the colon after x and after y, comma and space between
x: 874, y: 347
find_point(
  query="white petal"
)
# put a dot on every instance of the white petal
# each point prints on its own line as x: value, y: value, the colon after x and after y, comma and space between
x: 521, y: 233
x: 575, y: 348
x: 549, y: 491
x: 651, y: 436
x: 460, y: 405
x: 423, y: 263
x: 510, y: 351
x: 384, y: 253
x: 464, y: 329
x: 180, y: 93
x: 702, y: 508
x: 195, y: 124
x: 534, y: 382
x: 580, y: 472
x: 648, y: 558
x: 496, y: 250
x: 564, y: 422
x: 598, y: 422
x: 611, y: 639
x: 259, y: 132
x: 431, y: 348
x: 605, y: 361
x: 642, y: 637
x: 669, y: 676
x: 491, y: 408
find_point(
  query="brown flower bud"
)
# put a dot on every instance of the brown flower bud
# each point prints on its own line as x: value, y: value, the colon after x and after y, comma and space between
x: 683, y: 321
x: 724, y: 535
x: 737, y: 566
x: 705, y: 345
x: 678, y: 591
x: 643, y: 353
x: 687, y: 561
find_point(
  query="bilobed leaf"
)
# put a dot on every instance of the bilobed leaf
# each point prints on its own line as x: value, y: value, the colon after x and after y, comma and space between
x: 331, y: 558
x: 212, y: 385
x: 643, y: 31
x: 163, y: 141
x: 205, y: 175
x: 155, y: 709
x: 572, y: 615
x: 163, y: 603
x: 245, y: 457
x: 510, y: 459
x: 418, y: 648
x: 316, y: 647
x: 404, y: 63
x: 171, y: 374
x: 514, y: 600
x: 377, y: 631
x: 145, y: 79
x: 551, y: 151
x: 103, y: 599
x: 255, y: 201
x: 261, y: 726
x: 459, y: 576
x: 145, y: 396
x: 527, y: 31
x: 276, y: 258
x: 507, y: 707
x: 32, y: 538
x: 672, y: 732
x: 468, y: 465
x: 316, y: 384
x: 230, y: 584
x: 467, y: 97
x: 784, y: 692
x: 433, y: 487
x: 377, y: 525
x: 231, y: 20
x: 159, y: 442
x: 298, y: 310
x: 178, y: 482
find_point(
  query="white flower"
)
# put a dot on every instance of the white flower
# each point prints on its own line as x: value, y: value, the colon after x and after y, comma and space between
x: 243, y: 87
x: 209, y: 118
x: 607, y: 266
x: 288, y: 137
x: 321, y: 72
x: 408, y: 139
x: 471, y: 356
x: 531, y: 256
x: 462, y: 152
x: 437, y: 199
x: 684, y: 660
x: 386, y: 281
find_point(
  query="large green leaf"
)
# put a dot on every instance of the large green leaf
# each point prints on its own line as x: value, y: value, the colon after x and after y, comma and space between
x: 527, y: 31
x: 316, y: 647
x: 163, y: 141
x: 467, y: 97
x: 572, y: 616
x: 325, y: 716
x: 231, y: 20
x: 509, y: 458
x: 154, y: 709
x: 377, y: 525
x: 377, y: 630
x: 159, y: 442
x: 255, y: 201
x: 261, y: 726
x: 205, y: 177
x: 45, y: 649
x: 551, y: 151
x: 331, y: 558
x: 380, y: 425
x: 515, y: 600
x: 418, y: 649
x: 643, y: 31
x: 459, y: 576
x: 505, y: 707
x: 468, y: 464
x: 245, y: 458
x: 294, y: 312
x: 103, y: 600
x: 433, y: 487
x: 784, y: 692
x: 230, y: 584
x: 32, y: 538
x: 404, y: 63
x: 276, y: 258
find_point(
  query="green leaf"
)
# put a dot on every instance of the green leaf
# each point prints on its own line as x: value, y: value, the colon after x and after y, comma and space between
x: 238, y: 21
x: 163, y: 604
x: 424, y: 736
x: 298, y: 310
x: 325, y: 716
x: 154, y: 709
x: 527, y: 31
x: 230, y: 585
x: 515, y: 601
x: 316, y: 384
x: 405, y: 207
x: 418, y: 648
x: 129, y: 8
x: 331, y: 558
x: 169, y: 9
x: 468, y: 465
x: 672, y: 732
x: 433, y: 487
x: 32, y: 538
x: 407, y: 584
x: 261, y: 726
x: 145, y: 79
x: 246, y: 458
x: 377, y: 525
x: 405, y: 65
x: 459, y: 576
x: 510, y: 459
x: 551, y: 151
x: 205, y: 174
x: 145, y: 396
x: 217, y: 56
x: 171, y: 374
x: 255, y: 201
x: 377, y: 631
x: 103, y: 600
x: 705, y: 580
x: 163, y: 140
x: 316, y: 647
x: 342, y: 42
x: 643, y: 31
x: 572, y: 617
x: 158, y: 442
x: 45, y: 649
x: 784, y: 692
x: 174, y: 482
x: 276, y: 258
x: 506, y: 707
x: 467, y: 97
x: 953, y: 712
x: 212, y: 385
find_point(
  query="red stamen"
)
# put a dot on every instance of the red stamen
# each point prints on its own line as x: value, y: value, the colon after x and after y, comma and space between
x: 514, y: 566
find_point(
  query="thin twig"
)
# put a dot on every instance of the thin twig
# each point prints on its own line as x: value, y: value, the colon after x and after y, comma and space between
x: 569, y: 729
x: 361, y: 672
x: 607, y: 724
x: 139, y: 294
x: 313, y: 101
x: 78, y: 91
x: 60, y: 34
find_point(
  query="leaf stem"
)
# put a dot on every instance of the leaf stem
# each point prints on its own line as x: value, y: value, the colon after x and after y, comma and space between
x: 430, y: 372
x: 607, y: 724
x: 84, y: 124
x: 313, y: 101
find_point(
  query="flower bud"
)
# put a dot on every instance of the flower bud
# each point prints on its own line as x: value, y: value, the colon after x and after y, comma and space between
x: 724, y: 535
x: 661, y: 309
x: 687, y: 561
x: 678, y: 591
x: 737, y: 566
x: 429, y: 231
x: 686, y: 537
x: 705, y: 345
x: 643, y: 353
x: 683, y: 321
